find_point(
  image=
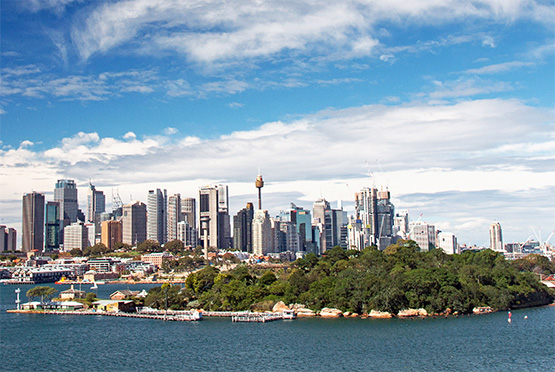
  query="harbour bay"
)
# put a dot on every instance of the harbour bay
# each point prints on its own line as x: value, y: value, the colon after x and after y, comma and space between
x: 470, y: 343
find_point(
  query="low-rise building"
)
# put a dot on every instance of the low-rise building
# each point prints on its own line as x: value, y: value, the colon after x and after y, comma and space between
x: 123, y: 294
x: 157, y: 258
x: 70, y: 294
x: 114, y: 306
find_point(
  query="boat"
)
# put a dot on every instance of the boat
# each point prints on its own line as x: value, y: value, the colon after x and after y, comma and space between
x: 94, y: 286
x: 61, y: 281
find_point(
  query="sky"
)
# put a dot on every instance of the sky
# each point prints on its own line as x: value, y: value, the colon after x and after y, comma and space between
x: 448, y: 104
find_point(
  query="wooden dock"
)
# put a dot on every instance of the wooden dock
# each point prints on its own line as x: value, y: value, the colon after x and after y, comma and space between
x: 256, y: 317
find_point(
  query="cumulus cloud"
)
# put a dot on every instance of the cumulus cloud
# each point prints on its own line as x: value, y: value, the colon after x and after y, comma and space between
x: 482, y: 148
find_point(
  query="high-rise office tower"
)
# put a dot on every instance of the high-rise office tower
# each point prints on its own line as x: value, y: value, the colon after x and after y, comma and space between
x: 261, y: 233
x: 496, y: 237
x: 52, y: 228
x: 157, y: 216
x: 189, y: 210
x: 76, y: 236
x: 401, y: 223
x: 96, y: 205
x: 376, y: 213
x: 319, y: 209
x: 215, y: 229
x: 187, y: 234
x: 175, y: 215
x: 8, y: 239
x: 423, y: 234
x: 134, y: 223
x: 111, y: 233
x: 242, y: 229
x: 386, y: 213
x: 65, y: 193
x: 33, y: 222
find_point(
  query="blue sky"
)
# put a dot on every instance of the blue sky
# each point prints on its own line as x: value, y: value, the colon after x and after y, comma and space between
x: 449, y: 104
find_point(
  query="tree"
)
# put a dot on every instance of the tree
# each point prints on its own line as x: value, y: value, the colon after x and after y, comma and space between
x: 76, y: 252
x: 174, y: 246
x: 149, y: 246
x: 45, y: 293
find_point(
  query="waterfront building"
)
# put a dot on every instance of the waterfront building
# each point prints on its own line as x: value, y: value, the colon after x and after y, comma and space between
x: 111, y: 233
x: 448, y: 242
x: 215, y: 229
x: 52, y: 227
x: 261, y: 233
x: 242, y: 229
x: 496, y: 237
x: 175, y: 215
x: 134, y: 223
x: 423, y: 234
x: 32, y: 236
x: 156, y: 216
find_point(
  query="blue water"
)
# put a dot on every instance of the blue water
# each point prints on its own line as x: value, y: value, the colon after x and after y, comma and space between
x: 35, y: 342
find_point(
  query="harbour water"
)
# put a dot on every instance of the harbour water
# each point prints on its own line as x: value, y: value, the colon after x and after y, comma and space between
x: 36, y: 342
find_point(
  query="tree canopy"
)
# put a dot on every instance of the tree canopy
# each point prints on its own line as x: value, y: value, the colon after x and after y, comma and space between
x: 398, y: 278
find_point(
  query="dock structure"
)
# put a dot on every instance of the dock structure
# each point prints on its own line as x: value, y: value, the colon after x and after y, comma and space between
x: 170, y: 315
x: 256, y: 317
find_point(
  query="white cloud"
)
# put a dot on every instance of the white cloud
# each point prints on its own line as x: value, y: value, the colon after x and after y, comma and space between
x: 498, y: 68
x: 169, y: 131
x: 208, y: 31
x: 26, y: 143
x: 467, y: 88
x: 488, y: 41
x: 479, y: 148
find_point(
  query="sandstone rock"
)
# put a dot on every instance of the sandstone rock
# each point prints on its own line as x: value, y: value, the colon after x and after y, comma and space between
x: 279, y: 307
x: 304, y: 312
x: 347, y: 313
x: 296, y: 306
x: 407, y: 313
x: 422, y: 312
x: 380, y: 314
x: 326, y: 312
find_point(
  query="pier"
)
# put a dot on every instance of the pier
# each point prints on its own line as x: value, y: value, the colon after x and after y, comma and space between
x: 182, y: 316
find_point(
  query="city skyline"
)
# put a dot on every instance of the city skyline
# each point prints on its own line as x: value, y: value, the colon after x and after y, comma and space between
x: 449, y: 105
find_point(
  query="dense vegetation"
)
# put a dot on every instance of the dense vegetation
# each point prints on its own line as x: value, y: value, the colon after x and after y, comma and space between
x: 398, y: 278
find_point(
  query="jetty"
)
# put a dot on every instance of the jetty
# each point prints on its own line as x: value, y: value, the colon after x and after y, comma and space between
x: 182, y: 316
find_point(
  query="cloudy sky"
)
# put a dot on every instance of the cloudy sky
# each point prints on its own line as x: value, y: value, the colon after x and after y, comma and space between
x: 449, y: 104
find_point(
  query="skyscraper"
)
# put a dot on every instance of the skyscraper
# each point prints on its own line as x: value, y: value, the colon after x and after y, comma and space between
x: 111, y: 233
x: 215, y: 229
x: 423, y: 234
x: 189, y: 210
x: 96, y: 204
x: 52, y: 228
x: 33, y: 222
x: 175, y: 215
x: 76, y: 236
x: 496, y: 237
x: 376, y: 214
x: 65, y: 193
x: 134, y: 223
x: 242, y: 229
x: 157, y: 216
x: 261, y: 233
